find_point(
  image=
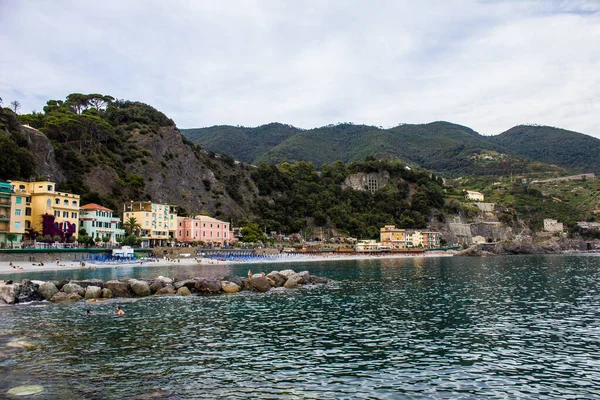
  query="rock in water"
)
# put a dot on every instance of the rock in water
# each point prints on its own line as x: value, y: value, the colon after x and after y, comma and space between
x: 277, y: 278
x: 93, y: 292
x: 140, y: 288
x: 8, y: 293
x: 287, y: 272
x: 106, y: 293
x: 62, y: 297
x: 168, y: 290
x: 73, y: 288
x: 208, y: 285
x: 25, y: 390
x: 259, y: 283
x: 119, y: 289
x: 297, y: 279
x: 230, y: 287
x: 183, y: 291
x: 88, y: 282
x: 28, y: 291
x: 47, y: 290
x: 188, y: 283
x: 21, y: 344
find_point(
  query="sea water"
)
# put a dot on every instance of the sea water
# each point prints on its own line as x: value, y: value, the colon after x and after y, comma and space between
x: 495, y: 327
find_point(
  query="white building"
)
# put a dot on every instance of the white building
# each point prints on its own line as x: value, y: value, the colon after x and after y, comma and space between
x: 475, y: 196
x: 552, y: 225
x: 99, y: 222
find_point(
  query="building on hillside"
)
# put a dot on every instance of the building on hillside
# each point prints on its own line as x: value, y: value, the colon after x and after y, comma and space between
x: 589, y: 225
x: 552, y: 225
x: 100, y: 222
x: 12, y: 215
x: 202, y: 228
x: 397, y: 238
x: 41, y: 198
x: 475, y: 196
x: 368, y: 245
x: 393, y: 237
x: 158, y: 222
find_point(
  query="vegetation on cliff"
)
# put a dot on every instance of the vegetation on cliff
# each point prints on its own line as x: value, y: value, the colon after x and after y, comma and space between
x: 295, y: 197
x: 16, y: 161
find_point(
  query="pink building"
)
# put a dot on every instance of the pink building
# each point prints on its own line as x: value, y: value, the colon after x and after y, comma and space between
x: 203, y: 229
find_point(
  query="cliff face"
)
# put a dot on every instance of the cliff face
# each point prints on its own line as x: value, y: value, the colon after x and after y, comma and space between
x: 171, y: 172
x: 43, y: 152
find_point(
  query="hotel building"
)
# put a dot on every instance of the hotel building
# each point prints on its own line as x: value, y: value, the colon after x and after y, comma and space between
x: 203, y: 229
x: 157, y: 221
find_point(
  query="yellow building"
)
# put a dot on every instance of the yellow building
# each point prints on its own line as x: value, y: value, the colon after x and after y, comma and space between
x: 41, y: 198
x: 158, y: 222
x: 394, y: 237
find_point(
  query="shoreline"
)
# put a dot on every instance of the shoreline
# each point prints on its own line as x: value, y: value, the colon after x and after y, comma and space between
x: 28, y: 266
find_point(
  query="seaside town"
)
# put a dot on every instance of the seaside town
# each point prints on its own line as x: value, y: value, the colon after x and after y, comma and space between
x: 36, y: 215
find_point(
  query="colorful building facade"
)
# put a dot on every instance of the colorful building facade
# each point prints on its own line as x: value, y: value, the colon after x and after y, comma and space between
x: 397, y: 238
x: 158, y: 222
x: 41, y: 198
x: 100, y: 222
x: 12, y: 215
x: 202, y: 228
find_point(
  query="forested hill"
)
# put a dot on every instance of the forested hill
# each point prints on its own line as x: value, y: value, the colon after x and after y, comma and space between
x: 444, y: 147
x: 552, y: 145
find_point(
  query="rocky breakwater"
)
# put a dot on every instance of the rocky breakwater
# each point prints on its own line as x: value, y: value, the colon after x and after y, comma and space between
x: 97, y: 290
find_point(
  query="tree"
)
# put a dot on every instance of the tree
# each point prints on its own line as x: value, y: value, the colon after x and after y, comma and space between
x: 11, y: 237
x: 132, y: 227
x: 15, y: 106
x: 252, y: 234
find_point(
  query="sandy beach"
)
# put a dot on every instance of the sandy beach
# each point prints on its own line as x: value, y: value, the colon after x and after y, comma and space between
x: 28, y: 266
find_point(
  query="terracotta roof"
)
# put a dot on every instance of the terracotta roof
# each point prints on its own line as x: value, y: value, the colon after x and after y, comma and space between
x: 95, y: 207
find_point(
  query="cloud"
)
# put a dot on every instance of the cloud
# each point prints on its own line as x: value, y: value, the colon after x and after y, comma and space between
x: 489, y: 65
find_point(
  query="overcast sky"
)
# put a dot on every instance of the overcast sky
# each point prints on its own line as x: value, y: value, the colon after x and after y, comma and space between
x: 486, y: 64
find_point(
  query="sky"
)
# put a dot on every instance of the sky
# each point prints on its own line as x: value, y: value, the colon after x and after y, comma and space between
x: 489, y: 65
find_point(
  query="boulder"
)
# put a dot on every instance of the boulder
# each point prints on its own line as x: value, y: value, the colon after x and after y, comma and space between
x: 183, y: 291
x: 259, y: 283
x: 234, y: 279
x: 188, y: 283
x: 62, y: 297
x: 246, y: 284
x: 106, y: 293
x: 59, y: 284
x: 287, y: 273
x: 277, y: 279
x: 28, y: 291
x: 8, y: 293
x: 168, y: 290
x: 93, y: 292
x: 297, y: 279
x: 47, y: 290
x: 87, y: 282
x: 140, y: 288
x: 208, y: 285
x: 119, y: 289
x: 73, y: 288
x: 156, y: 285
x: 230, y: 287
x: 318, y: 279
x: 167, y: 281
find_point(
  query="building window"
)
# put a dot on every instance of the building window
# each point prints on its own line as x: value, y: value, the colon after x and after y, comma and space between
x: 210, y: 233
x: 22, y: 187
x: 57, y: 201
x: 211, y: 225
x: 74, y: 203
x: 49, y: 188
x: 28, y: 199
x: 196, y: 224
x: 73, y: 215
x: 18, y: 211
x: 18, y: 200
x: 187, y: 233
x: 17, y: 225
x: 218, y: 226
x: 65, y: 214
x: 217, y: 234
x: 56, y: 214
x: 93, y: 224
x: 28, y: 211
x: 203, y: 233
x: 224, y: 234
x: 66, y: 202
x: 146, y: 223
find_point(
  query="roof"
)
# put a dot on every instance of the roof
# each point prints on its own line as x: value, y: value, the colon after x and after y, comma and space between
x: 95, y: 207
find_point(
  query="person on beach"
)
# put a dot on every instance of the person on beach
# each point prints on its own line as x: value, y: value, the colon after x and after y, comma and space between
x: 249, y: 272
x: 119, y: 312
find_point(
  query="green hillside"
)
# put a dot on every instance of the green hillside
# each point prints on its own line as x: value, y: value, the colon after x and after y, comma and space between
x: 568, y: 149
x: 450, y: 149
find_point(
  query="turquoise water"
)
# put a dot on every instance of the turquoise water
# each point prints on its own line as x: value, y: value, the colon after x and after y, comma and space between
x: 495, y: 327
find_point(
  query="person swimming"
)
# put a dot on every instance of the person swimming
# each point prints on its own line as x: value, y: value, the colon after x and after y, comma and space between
x: 119, y: 312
